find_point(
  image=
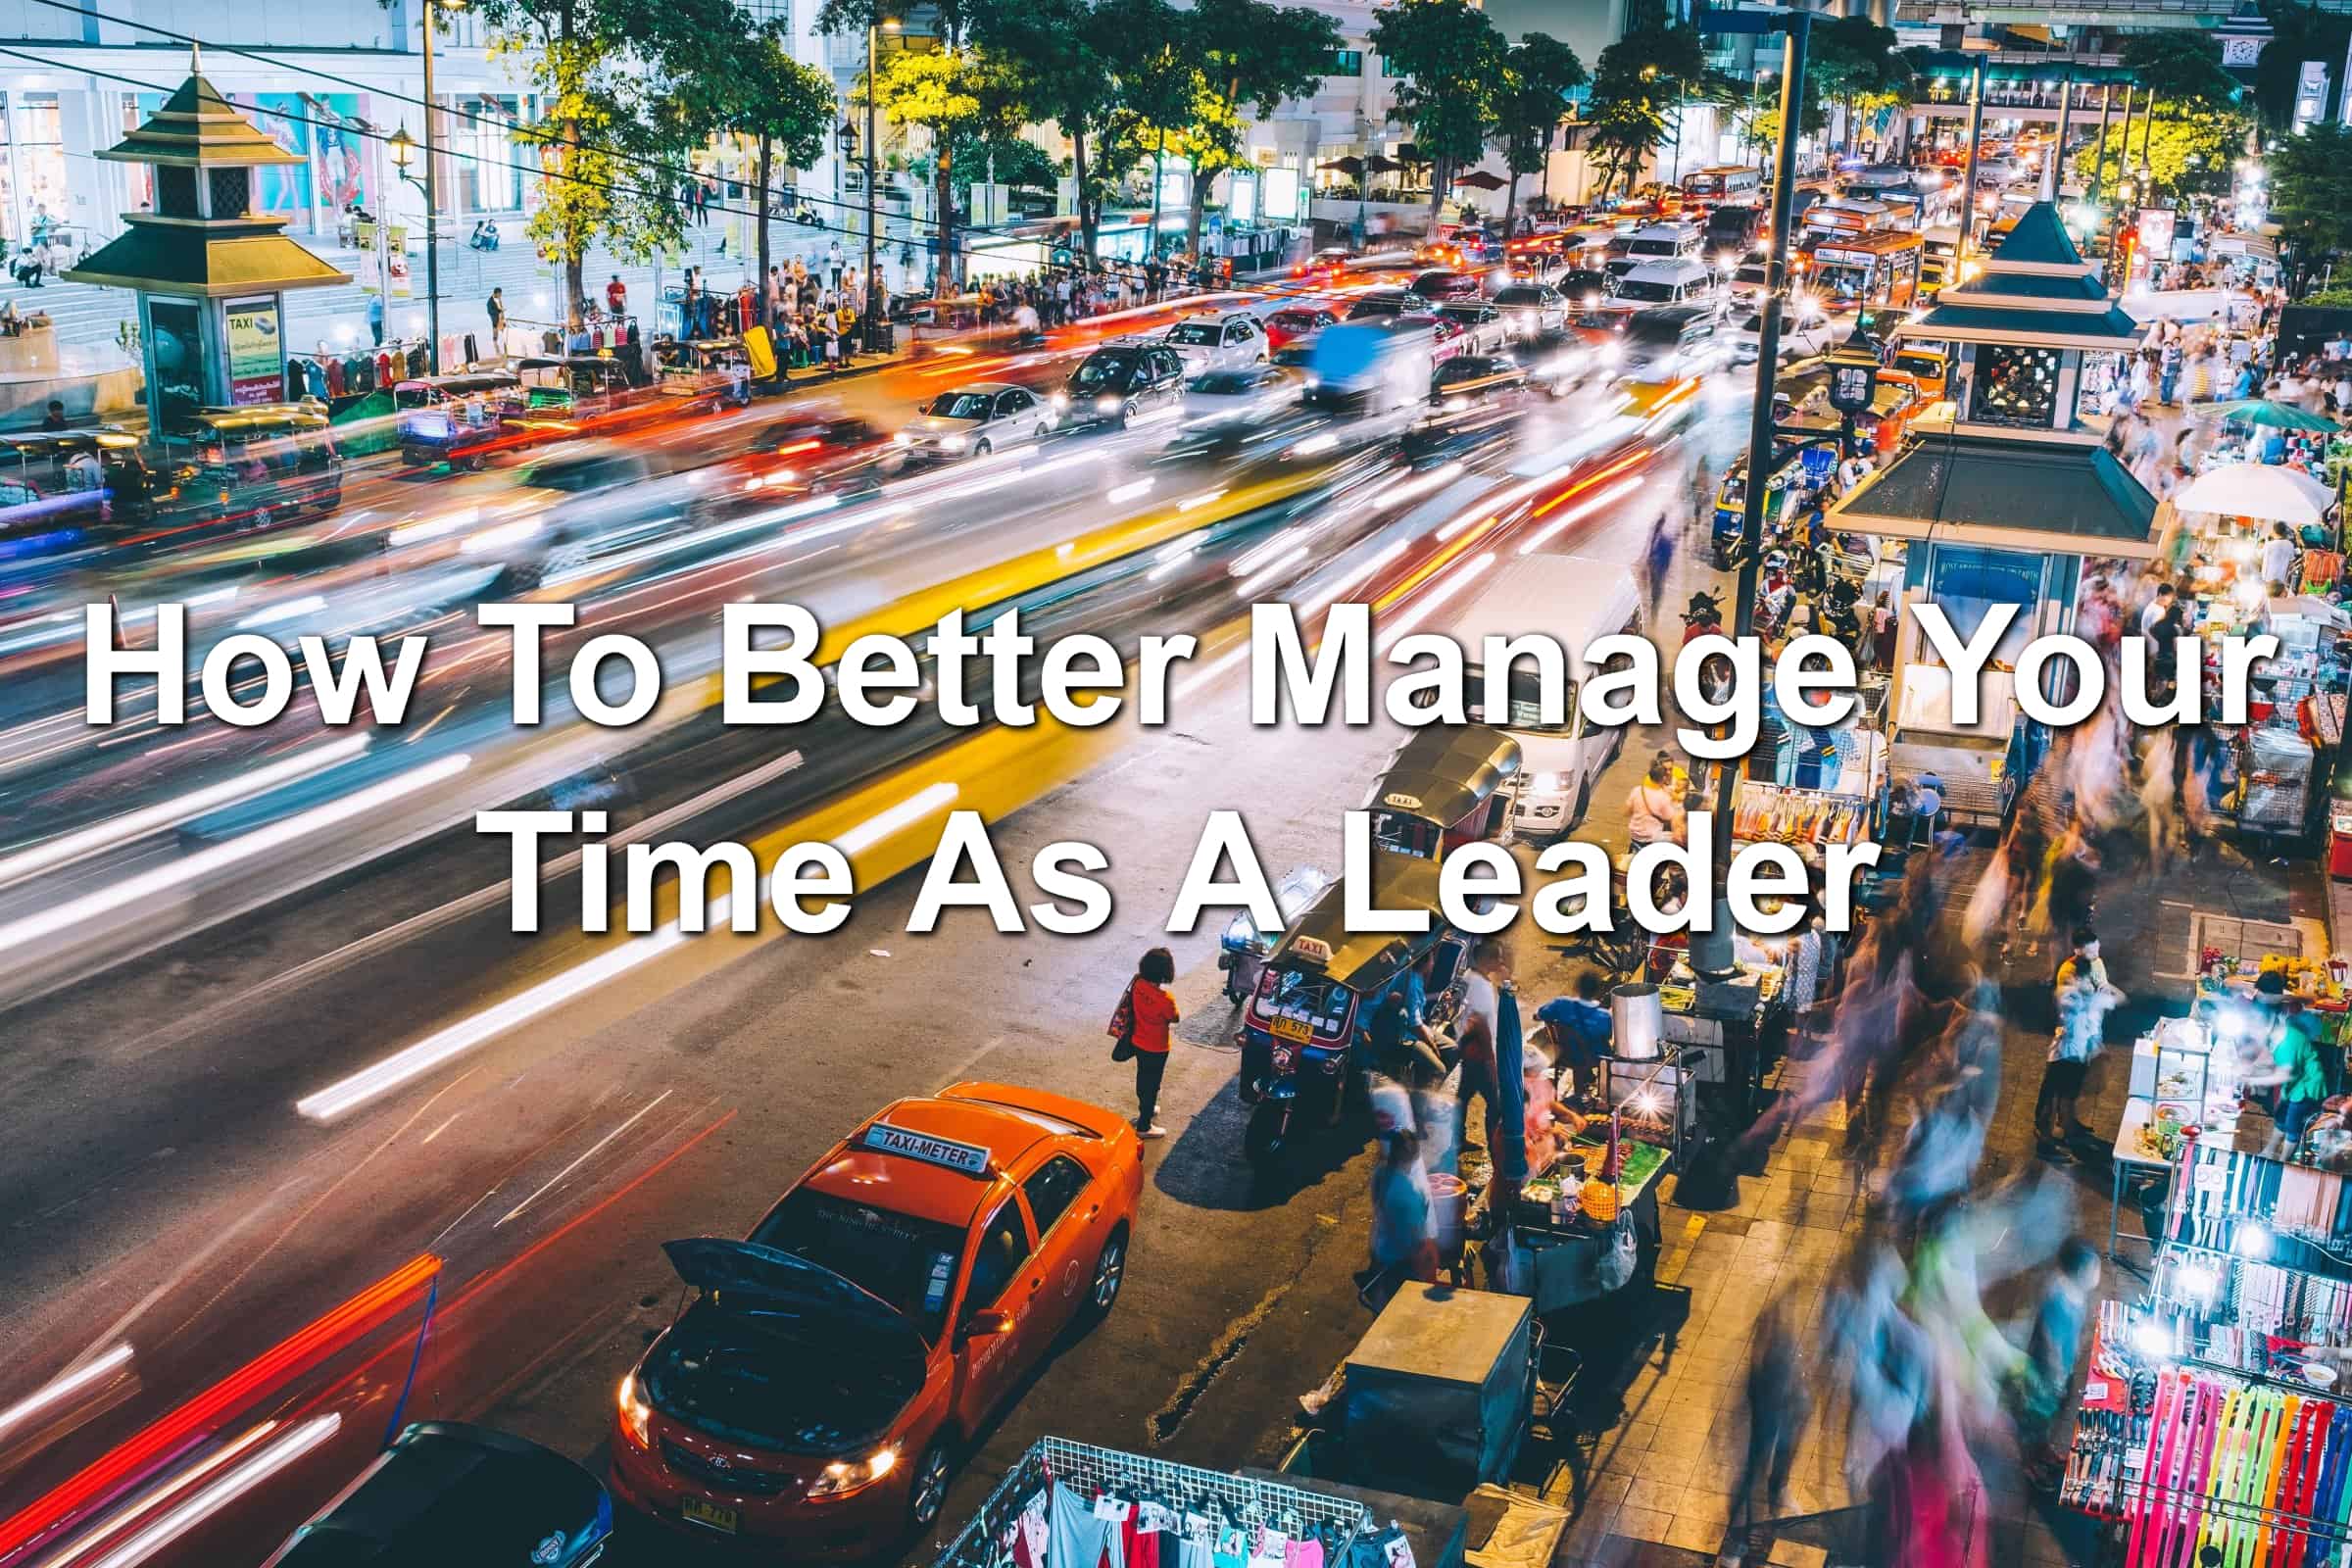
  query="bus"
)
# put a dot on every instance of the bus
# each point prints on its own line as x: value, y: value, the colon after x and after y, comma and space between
x: 1845, y: 218
x: 1871, y: 272
x: 1726, y: 182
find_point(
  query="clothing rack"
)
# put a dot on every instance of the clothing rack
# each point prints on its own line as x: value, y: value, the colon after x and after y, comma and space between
x: 1241, y: 1499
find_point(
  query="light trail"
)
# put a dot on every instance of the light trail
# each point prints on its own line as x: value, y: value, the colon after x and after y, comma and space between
x: 65, y: 1386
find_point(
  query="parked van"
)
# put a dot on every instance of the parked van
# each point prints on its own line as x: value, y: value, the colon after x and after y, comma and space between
x: 1687, y: 281
x: 1577, y: 600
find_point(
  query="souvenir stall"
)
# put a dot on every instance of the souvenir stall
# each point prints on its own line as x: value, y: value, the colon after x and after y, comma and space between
x: 2210, y: 1417
x: 1067, y: 1505
x: 1575, y: 1229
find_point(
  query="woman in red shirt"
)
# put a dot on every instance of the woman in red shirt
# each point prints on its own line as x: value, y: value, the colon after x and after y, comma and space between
x: 1153, y: 1010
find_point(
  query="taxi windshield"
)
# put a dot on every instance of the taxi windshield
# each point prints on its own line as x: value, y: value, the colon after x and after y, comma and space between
x: 910, y: 1263
x: 1309, y: 996
x: 1195, y: 334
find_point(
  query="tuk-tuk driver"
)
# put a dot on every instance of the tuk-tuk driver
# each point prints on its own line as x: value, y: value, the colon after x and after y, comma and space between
x: 1403, y: 1046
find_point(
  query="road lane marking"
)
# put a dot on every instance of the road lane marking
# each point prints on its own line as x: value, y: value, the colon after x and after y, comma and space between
x: 559, y: 1177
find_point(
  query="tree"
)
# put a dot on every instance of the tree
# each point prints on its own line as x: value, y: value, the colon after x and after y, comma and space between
x: 1449, y: 59
x: 1145, y: 43
x: 2311, y: 191
x: 2180, y: 65
x: 940, y: 96
x: 1855, y: 61
x: 1634, y: 82
x: 783, y: 106
x: 626, y: 92
x: 1252, y: 54
x: 1538, y: 72
x: 2189, y: 153
x: 1067, y: 56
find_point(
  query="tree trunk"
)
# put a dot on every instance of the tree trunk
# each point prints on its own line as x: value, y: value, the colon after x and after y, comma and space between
x: 1195, y: 215
x: 575, y: 261
x: 759, y: 278
x: 1510, y: 205
x: 1089, y: 220
x: 1439, y: 170
x: 1159, y: 152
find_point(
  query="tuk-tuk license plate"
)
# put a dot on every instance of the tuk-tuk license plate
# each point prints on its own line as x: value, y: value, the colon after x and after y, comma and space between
x: 709, y: 1514
x: 1294, y: 1029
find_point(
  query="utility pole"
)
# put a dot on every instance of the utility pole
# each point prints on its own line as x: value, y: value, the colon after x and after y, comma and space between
x: 2066, y: 108
x: 1794, y: 27
x: 2098, y: 149
x: 432, y: 204
x: 873, y: 291
x: 1967, y: 175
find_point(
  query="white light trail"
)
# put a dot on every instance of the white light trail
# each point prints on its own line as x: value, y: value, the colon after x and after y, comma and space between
x: 1580, y: 512
x: 87, y: 1375
x: 288, y: 611
x: 266, y: 1461
x: 874, y: 829
x: 1120, y: 495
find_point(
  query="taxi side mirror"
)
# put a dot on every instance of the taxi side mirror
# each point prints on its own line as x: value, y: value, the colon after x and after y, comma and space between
x: 980, y: 1324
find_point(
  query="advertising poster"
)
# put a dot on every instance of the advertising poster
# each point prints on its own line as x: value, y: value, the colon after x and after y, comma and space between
x: 1278, y: 192
x: 283, y: 118
x: 256, y: 353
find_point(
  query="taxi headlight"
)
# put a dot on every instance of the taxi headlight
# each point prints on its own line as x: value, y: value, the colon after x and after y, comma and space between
x: 954, y: 443
x: 1061, y: 400
x: 1106, y: 403
x: 636, y: 1415
x: 904, y: 438
x: 1547, y: 784
x: 844, y: 1477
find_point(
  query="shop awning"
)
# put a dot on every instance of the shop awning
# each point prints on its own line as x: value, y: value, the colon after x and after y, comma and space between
x: 2006, y: 494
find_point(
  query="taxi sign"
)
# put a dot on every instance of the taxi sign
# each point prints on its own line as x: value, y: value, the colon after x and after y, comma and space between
x: 1311, y: 949
x: 1404, y: 803
x: 884, y: 1138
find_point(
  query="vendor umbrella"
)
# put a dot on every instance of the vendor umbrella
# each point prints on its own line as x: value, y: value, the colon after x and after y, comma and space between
x: 2271, y: 412
x: 1479, y: 179
x: 1352, y: 165
x: 1382, y: 165
x: 2270, y: 491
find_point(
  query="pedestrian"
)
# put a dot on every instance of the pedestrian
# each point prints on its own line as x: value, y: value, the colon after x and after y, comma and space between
x: 53, y: 418
x: 2052, y: 1343
x: 1404, y: 1243
x: 496, y: 306
x: 616, y: 298
x: 1141, y: 1024
x: 2279, y: 553
x: 1655, y: 811
x: 2296, y: 1066
x: 1658, y: 558
x: 2085, y: 998
x: 1780, y: 1403
x: 1581, y: 1031
x: 833, y: 262
x: 1403, y: 1046
x: 376, y: 317
x: 1479, y: 1027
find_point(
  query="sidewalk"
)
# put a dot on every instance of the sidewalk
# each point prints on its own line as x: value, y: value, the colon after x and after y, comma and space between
x: 93, y: 314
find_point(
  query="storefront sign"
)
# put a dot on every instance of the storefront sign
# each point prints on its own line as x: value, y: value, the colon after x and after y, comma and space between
x: 2311, y: 94
x: 2156, y: 230
x: 1240, y: 201
x: 257, y: 352
x: 1278, y: 193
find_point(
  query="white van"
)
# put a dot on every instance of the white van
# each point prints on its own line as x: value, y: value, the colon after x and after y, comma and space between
x: 1664, y: 242
x: 1577, y: 599
x: 1687, y: 281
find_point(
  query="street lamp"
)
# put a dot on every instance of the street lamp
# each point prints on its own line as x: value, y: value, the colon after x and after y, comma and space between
x: 872, y: 146
x: 432, y: 197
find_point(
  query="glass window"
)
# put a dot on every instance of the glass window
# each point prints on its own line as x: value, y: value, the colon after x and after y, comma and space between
x: 1344, y: 63
x: 1056, y: 1186
x: 908, y: 1263
x: 37, y: 131
x: 1004, y: 1247
x: 2017, y: 386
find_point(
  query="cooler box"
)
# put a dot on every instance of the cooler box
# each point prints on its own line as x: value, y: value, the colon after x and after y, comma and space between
x: 1438, y: 1390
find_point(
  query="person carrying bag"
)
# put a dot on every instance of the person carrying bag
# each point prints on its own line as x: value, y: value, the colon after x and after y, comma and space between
x: 1139, y: 1030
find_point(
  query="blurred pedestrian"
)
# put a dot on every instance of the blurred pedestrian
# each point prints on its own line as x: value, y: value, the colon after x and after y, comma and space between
x: 1403, y: 1244
x: 2051, y: 1341
x: 2085, y: 998
x: 1780, y: 1405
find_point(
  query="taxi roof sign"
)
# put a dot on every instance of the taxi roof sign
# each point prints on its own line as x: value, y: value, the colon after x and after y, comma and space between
x: 884, y: 1138
x: 1310, y: 950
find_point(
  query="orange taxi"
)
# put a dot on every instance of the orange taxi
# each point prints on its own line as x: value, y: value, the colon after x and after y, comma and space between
x: 820, y: 1385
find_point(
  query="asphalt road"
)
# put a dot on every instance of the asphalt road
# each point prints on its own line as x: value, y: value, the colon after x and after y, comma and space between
x: 162, y: 1191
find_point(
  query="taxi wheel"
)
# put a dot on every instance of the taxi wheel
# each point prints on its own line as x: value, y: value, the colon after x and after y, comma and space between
x: 928, y: 1489
x: 1110, y: 1272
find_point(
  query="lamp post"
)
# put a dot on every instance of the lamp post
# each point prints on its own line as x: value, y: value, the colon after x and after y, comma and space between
x: 872, y: 148
x: 1796, y: 27
x: 432, y: 187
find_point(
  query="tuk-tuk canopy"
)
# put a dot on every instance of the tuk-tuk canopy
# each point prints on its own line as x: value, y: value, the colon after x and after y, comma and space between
x: 458, y: 385
x: 250, y: 419
x: 40, y: 446
x: 1365, y: 962
x: 1445, y: 771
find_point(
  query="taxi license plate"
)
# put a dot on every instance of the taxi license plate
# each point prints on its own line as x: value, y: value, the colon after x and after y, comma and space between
x: 709, y: 1514
x: 1295, y: 1029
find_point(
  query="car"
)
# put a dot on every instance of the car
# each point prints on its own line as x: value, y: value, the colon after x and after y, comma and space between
x: 819, y: 1386
x: 1253, y: 389
x: 1387, y: 305
x: 1584, y: 287
x: 1439, y: 286
x: 450, y: 1492
x: 1669, y: 342
x: 1469, y: 379
x: 1452, y: 338
x: 1325, y: 265
x: 1803, y: 334
x: 1483, y: 326
x: 1294, y: 321
x: 1119, y: 381
x: 1527, y: 310
x: 1217, y: 340
x: 974, y: 420
x: 814, y: 450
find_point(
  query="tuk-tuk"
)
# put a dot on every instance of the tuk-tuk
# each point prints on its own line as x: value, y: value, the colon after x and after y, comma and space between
x: 1302, y: 1026
x: 1790, y: 474
x: 1244, y: 949
x: 708, y: 371
x: 451, y: 418
x: 255, y: 465
x: 559, y: 391
x: 1449, y: 785
x: 56, y: 483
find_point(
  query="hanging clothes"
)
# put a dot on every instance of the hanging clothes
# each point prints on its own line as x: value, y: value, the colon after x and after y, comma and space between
x: 336, y: 379
x: 1076, y: 1538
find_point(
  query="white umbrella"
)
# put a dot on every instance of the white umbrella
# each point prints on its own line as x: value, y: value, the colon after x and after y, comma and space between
x: 2270, y: 491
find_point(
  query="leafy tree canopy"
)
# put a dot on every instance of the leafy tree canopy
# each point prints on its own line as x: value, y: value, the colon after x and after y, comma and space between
x: 2311, y: 189
x: 2180, y: 65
